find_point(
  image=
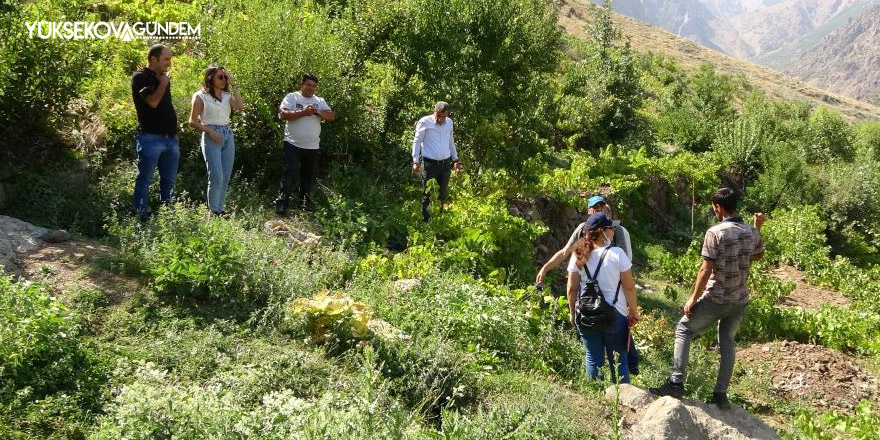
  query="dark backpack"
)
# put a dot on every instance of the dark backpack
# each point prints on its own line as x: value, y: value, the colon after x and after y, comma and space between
x: 593, y: 312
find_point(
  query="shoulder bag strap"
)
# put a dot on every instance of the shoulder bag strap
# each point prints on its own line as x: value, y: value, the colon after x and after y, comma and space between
x: 616, y: 293
x: 598, y: 266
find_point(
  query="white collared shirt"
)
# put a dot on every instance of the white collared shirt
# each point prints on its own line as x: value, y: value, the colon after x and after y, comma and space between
x: 435, y: 141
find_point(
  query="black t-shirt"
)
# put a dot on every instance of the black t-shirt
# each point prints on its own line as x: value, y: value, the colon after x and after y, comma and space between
x: 159, y: 120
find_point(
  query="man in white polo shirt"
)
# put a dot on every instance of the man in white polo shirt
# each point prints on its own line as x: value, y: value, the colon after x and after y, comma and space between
x: 304, y: 111
x: 435, y: 144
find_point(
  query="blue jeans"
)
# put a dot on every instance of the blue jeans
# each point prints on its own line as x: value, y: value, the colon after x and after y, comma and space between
x: 155, y: 150
x: 703, y: 314
x: 219, y: 159
x: 607, y: 343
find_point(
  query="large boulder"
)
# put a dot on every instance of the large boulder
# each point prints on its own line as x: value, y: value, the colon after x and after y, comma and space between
x: 17, y: 236
x: 667, y: 418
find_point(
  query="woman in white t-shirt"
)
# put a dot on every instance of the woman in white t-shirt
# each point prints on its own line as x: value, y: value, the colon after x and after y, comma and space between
x: 211, y: 108
x: 614, y: 275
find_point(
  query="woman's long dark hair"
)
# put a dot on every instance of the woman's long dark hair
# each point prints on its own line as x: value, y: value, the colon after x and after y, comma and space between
x: 208, y: 82
x: 585, y: 246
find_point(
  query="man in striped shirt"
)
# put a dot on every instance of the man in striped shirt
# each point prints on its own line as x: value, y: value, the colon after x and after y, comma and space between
x: 720, y: 295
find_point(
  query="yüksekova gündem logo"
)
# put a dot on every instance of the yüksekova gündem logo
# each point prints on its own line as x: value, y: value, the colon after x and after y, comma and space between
x: 87, y: 30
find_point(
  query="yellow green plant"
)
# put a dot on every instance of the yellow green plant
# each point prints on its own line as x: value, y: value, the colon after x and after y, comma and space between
x: 331, y: 318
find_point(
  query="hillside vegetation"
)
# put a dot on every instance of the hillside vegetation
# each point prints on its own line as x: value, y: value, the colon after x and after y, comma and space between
x: 690, y: 55
x: 830, y: 44
x: 389, y: 327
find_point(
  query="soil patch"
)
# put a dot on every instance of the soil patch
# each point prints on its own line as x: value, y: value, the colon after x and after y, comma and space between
x: 805, y: 295
x: 825, y: 378
x: 74, y: 264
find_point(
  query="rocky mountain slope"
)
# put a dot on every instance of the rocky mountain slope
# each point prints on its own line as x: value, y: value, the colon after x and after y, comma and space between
x: 802, y: 37
x: 774, y: 28
x: 690, y: 55
x: 690, y: 19
x: 846, y: 61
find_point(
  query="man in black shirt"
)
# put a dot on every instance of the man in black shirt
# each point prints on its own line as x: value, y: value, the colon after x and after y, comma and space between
x: 157, y: 129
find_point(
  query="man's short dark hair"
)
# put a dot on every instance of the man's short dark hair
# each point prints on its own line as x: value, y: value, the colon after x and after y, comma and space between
x: 441, y: 106
x: 726, y: 198
x: 309, y: 76
x: 156, y: 51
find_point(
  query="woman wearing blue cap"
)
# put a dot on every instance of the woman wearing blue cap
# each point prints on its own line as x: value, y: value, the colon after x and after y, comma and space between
x: 595, y: 258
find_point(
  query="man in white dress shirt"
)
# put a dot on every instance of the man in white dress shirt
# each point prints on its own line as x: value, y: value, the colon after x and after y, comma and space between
x: 434, y: 142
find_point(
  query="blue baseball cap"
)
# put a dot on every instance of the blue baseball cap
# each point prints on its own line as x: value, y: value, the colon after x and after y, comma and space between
x: 600, y: 220
x: 595, y: 199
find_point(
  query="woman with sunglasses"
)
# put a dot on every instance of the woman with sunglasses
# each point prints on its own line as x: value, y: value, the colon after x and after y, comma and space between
x: 211, y: 107
x: 614, y: 275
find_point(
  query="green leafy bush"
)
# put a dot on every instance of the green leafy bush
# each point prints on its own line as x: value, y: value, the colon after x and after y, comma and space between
x: 833, y: 327
x: 493, y: 325
x: 852, y: 200
x: 681, y: 269
x: 194, y: 256
x: 38, y: 346
x: 689, y: 120
x: 863, y: 425
x: 830, y: 137
x: 785, y: 181
x: 50, y: 386
x: 253, y: 274
x: 155, y: 406
x: 867, y: 139
x: 39, y: 77
x: 796, y: 236
x: 599, y: 94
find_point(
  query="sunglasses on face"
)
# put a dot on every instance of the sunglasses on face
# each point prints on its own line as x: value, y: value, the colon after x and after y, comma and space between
x: 222, y: 77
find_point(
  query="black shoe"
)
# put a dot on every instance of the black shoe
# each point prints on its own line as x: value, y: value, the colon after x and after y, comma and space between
x: 634, y: 369
x: 720, y: 399
x: 669, y: 388
x: 281, y: 206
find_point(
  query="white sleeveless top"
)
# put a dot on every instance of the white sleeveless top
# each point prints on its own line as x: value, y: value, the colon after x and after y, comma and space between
x: 214, y: 112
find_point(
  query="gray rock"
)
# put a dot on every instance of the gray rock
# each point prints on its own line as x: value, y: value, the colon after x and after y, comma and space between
x: 56, y: 236
x: 669, y: 418
x: 407, y: 284
x: 17, y: 236
x: 631, y: 396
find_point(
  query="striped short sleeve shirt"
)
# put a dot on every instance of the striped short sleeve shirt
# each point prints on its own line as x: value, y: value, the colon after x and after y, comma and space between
x: 731, y: 245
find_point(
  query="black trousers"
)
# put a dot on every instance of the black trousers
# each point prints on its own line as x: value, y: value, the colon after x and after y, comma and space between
x: 439, y: 171
x: 300, y: 161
